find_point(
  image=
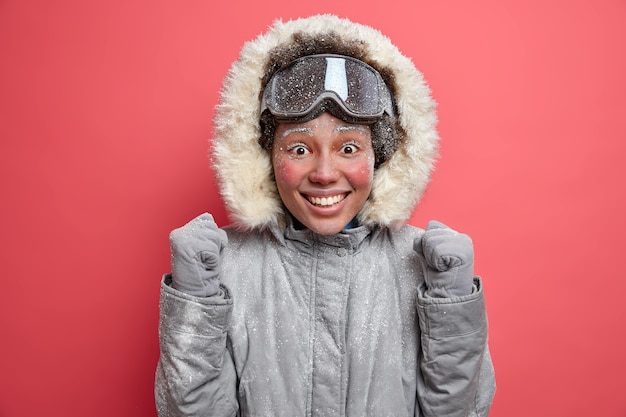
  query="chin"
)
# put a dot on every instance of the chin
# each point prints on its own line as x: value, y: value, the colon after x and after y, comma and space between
x: 321, y: 228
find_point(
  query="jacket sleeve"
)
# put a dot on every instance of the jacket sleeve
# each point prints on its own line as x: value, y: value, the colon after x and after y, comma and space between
x: 195, y: 374
x: 457, y: 376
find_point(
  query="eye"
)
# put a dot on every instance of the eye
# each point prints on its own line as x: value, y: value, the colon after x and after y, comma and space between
x: 298, y: 149
x: 349, y: 148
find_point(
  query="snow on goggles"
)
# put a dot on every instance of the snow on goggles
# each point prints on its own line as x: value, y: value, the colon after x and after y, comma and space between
x: 296, y: 90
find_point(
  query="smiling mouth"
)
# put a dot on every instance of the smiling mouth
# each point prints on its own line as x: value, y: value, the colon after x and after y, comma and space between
x: 326, y: 201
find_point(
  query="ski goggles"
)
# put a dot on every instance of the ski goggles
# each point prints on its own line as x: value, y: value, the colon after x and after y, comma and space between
x: 300, y: 88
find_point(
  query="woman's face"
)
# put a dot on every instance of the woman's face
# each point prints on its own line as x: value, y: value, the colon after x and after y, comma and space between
x: 324, y: 170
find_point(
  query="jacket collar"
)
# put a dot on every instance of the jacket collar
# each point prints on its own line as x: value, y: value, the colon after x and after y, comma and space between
x: 349, y: 239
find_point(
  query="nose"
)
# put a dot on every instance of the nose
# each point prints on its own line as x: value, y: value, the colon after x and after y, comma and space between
x: 324, y: 171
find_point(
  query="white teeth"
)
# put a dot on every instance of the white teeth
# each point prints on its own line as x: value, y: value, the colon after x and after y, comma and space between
x: 326, y: 201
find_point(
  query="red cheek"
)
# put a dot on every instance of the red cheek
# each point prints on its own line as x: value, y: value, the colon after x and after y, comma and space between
x: 286, y: 172
x: 360, y: 174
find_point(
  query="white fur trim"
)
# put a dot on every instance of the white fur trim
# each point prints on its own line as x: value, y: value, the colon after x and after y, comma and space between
x: 244, y: 169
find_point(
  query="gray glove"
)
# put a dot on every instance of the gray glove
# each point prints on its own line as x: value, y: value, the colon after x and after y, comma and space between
x: 449, y: 261
x: 196, y: 248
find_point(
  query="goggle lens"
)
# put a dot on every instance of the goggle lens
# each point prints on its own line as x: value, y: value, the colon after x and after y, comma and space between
x: 297, y: 89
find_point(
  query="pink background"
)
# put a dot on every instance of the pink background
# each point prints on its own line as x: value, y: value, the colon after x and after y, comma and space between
x: 105, y: 113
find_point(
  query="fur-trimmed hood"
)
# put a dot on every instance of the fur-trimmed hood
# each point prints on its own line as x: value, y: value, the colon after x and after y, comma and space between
x: 243, y: 167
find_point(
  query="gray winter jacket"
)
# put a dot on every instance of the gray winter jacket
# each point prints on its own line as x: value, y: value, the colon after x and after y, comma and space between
x: 312, y: 325
x: 316, y: 325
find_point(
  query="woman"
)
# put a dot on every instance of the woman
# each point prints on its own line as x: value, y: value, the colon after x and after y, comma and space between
x: 319, y: 300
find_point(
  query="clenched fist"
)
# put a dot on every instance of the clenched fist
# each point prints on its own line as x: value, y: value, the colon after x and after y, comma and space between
x: 196, y: 256
x: 449, y: 259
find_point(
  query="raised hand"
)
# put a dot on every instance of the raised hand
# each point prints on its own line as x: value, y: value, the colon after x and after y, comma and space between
x: 196, y: 256
x: 449, y: 259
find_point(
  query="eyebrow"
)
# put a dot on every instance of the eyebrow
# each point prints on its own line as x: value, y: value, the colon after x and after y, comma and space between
x: 348, y: 128
x: 308, y: 130
x: 298, y: 129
